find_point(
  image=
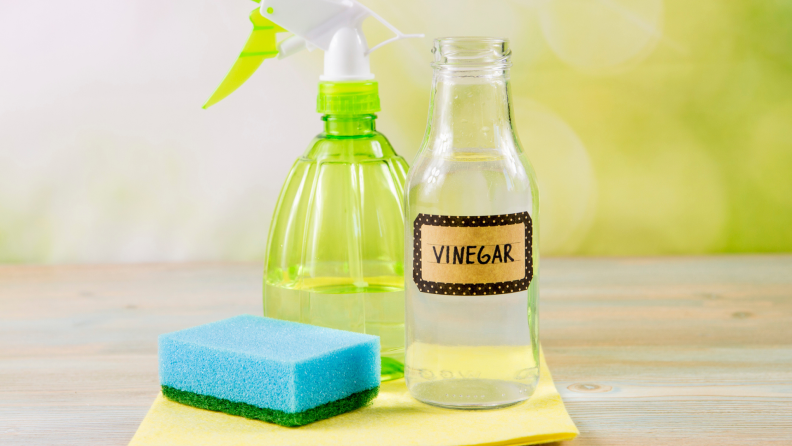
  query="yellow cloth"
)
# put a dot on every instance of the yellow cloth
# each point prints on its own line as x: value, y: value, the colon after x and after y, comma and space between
x: 394, y: 418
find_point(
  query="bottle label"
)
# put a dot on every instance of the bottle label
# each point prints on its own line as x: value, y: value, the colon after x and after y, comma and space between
x: 472, y: 256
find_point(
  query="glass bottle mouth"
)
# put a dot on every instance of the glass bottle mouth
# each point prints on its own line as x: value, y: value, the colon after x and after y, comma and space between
x: 471, y: 53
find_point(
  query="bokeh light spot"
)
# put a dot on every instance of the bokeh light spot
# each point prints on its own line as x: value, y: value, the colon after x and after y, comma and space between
x: 597, y: 35
x: 567, y: 185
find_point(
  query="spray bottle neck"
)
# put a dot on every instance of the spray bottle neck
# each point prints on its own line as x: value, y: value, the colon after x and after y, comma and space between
x: 348, y: 108
x: 347, y: 126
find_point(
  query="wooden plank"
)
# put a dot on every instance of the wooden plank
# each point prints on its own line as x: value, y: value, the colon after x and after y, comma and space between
x: 78, y: 344
x: 691, y: 351
x: 664, y: 351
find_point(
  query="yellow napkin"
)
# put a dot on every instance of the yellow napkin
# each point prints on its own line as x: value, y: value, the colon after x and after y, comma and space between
x: 394, y: 418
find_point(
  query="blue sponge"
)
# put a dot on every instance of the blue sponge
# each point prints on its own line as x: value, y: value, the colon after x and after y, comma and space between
x: 245, y: 363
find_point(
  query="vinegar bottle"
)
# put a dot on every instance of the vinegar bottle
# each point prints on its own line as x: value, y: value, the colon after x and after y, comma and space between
x: 471, y: 251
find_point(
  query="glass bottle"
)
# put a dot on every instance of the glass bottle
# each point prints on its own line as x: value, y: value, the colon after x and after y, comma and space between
x: 471, y: 239
x: 335, y: 248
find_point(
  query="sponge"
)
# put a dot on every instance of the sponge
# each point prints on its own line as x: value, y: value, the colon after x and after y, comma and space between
x: 267, y: 369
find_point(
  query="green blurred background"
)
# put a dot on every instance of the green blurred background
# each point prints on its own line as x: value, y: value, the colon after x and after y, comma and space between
x: 656, y: 127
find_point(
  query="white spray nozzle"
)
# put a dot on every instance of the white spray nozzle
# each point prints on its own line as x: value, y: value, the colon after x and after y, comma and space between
x: 333, y: 26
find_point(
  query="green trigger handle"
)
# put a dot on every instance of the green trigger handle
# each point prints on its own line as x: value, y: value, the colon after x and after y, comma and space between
x: 260, y: 45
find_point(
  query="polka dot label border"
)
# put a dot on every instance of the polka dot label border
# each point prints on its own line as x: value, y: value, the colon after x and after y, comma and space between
x: 472, y: 289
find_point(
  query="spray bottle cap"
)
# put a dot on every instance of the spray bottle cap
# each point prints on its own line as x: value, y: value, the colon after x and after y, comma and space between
x: 334, y: 26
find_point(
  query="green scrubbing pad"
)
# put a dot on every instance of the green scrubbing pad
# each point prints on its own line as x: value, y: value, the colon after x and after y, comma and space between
x: 331, y: 409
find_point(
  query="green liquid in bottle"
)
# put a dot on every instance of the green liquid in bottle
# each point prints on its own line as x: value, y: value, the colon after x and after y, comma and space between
x: 377, y: 308
x: 335, y: 250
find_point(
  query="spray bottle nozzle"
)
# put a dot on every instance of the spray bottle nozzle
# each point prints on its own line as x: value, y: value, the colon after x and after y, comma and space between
x: 260, y: 45
x: 334, y: 26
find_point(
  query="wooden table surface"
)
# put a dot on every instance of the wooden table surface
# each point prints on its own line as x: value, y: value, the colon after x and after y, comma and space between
x: 649, y: 351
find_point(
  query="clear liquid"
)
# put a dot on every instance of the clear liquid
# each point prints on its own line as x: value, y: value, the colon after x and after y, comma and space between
x: 375, y: 307
x: 473, y: 352
x: 472, y: 393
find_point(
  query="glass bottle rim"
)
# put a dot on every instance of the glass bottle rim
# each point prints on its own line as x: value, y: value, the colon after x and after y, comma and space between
x: 471, y: 53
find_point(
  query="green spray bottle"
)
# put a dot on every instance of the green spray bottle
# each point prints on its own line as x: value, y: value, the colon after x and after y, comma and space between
x: 335, y: 253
